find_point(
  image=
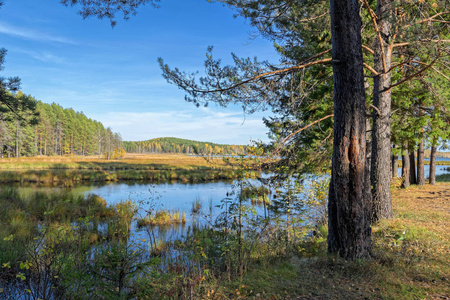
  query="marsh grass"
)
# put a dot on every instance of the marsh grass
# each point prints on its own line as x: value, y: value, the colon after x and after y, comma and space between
x: 197, y: 205
x: 256, y: 195
x: 230, y: 259
x: 443, y: 177
x: 52, y: 242
x: 134, y: 167
x: 162, y: 218
x: 67, y: 171
x: 130, y: 162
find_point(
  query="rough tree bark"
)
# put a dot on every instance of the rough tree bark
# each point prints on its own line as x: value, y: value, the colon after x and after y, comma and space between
x: 349, y: 197
x: 412, y: 167
x: 433, y: 165
x: 381, y: 131
x: 421, y: 163
x: 405, y: 167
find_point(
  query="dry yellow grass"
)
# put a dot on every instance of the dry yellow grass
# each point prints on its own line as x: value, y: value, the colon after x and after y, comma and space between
x: 156, y: 161
x: 148, y: 167
x: 427, y: 206
x: 175, y: 160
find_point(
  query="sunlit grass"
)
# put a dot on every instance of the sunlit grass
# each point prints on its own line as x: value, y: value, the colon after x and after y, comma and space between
x: 410, y: 259
x: 131, y: 161
x: 135, y: 167
x: 162, y: 218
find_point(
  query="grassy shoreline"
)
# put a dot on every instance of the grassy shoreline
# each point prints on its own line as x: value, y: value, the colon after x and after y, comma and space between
x: 130, y: 162
x: 135, y: 167
x: 427, y: 163
x: 410, y: 259
x: 410, y: 253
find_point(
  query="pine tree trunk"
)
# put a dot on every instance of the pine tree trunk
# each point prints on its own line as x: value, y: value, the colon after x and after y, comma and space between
x: 412, y: 169
x: 17, y: 139
x: 349, y: 197
x: 433, y: 165
x: 421, y: 164
x: 394, y: 167
x: 99, y: 148
x: 40, y: 143
x: 381, y: 131
x: 405, y: 167
x: 35, y: 141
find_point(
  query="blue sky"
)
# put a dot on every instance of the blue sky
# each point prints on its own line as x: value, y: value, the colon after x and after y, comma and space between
x: 112, y: 74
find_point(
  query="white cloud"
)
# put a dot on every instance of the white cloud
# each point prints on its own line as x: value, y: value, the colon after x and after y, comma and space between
x: 209, y: 126
x: 43, y: 56
x: 30, y: 34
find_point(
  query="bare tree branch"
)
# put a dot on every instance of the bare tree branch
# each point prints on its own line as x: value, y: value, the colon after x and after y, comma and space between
x: 432, y: 18
x: 420, y: 41
x: 376, y: 108
x: 413, y: 75
x: 368, y: 49
x: 303, y: 128
x: 371, y: 69
x: 375, y: 24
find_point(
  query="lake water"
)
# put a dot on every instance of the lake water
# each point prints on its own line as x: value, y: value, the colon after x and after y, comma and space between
x: 439, y: 169
x: 177, y: 196
x: 166, y: 195
x: 170, y: 196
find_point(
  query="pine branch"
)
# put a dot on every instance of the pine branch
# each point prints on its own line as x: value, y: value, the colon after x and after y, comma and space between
x: 305, y: 127
x: 301, y: 66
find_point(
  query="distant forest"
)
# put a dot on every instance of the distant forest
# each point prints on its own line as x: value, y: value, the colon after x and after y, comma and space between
x: 438, y: 154
x: 176, y: 145
x: 49, y: 129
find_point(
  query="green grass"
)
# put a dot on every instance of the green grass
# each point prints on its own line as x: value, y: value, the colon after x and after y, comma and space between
x: 410, y: 259
x: 443, y: 178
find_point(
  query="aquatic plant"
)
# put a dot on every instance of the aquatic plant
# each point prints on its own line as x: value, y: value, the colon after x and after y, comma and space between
x: 162, y: 218
x: 196, y: 206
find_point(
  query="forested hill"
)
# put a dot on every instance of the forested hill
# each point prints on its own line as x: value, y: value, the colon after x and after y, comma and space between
x: 49, y: 129
x: 438, y: 154
x: 176, y: 145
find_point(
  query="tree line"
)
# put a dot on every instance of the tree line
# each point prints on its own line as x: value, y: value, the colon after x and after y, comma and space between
x: 182, y: 146
x: 37, y: 128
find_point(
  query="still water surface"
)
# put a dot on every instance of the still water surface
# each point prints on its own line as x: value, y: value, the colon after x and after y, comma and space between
x: 439, y: 169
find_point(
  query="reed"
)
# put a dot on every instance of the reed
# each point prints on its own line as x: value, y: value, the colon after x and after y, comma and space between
x: 256, y: 195
x: 196, y: 206
x: 154, y: 168
x: 443, y: 178
x: 162, y: 218
x: 68, y: 177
